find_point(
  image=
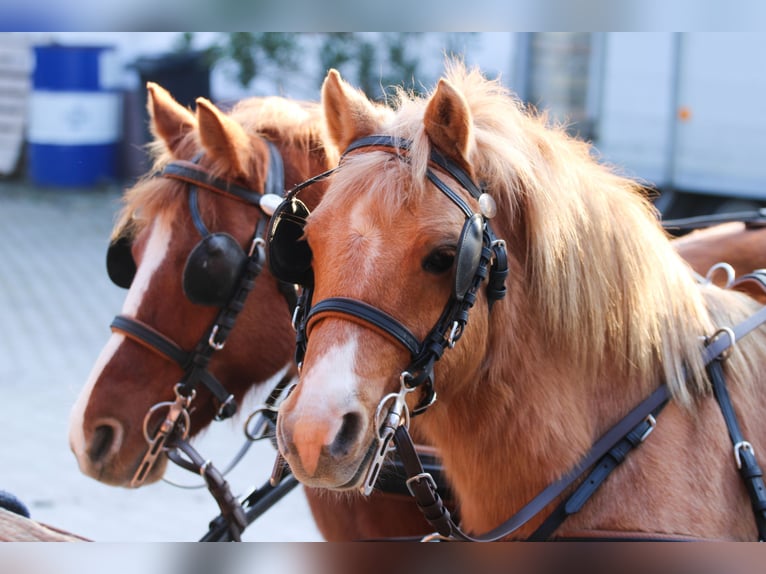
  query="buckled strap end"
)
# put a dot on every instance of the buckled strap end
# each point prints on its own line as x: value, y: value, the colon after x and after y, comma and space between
x: 425, y: 492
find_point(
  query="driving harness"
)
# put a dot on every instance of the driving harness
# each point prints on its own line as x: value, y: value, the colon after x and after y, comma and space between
x: 480, y: 254
x: 217, y: 273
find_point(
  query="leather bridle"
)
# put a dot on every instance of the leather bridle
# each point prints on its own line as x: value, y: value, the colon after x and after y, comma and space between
x: 194, y: 363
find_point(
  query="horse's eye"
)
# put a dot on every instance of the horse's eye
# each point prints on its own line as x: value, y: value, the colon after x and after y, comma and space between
x: 439, y: 260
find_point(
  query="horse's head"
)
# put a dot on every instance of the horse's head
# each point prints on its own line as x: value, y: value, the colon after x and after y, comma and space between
x: 189, y: 233
x: 401, y: 250
x: 404, y: 257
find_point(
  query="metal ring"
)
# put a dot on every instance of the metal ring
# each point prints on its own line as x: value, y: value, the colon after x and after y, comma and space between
x: 186, y: 399
x: 158, y: 406
x: 252, y: 436
x: 732, y: 341
x: 730, y: 273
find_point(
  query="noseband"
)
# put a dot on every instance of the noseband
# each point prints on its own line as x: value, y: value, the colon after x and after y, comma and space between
x: 194, y: 363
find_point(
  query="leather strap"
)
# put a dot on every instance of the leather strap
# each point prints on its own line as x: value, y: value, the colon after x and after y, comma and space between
x: 422, y: 485
x: 193, y: 174
x: 151, y: 338
x: 722, y: 340
x: 755, y: 216
x: 155, y: 341
x: 749, y: 470
x: 436, y: 157
x: 231, y: 510
x: 368, y: 314
x: 753, y: 284
x: 600, y: 472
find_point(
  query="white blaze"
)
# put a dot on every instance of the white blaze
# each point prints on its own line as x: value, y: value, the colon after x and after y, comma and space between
x: 335, y: 371
x: 154, y: 254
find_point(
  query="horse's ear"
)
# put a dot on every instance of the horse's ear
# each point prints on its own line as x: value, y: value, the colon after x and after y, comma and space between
x: 170, y: 121
x: 448, y: 123
x: 349, y: 114
x: 223, y: 138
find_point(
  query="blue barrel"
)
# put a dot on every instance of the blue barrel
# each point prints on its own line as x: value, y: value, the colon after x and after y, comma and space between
x: 75, y: 116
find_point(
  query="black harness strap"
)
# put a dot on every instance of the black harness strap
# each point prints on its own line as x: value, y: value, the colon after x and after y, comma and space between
x: 423, y: 487
x: 193, y: 174
x: 749, y: 470
x: 369, y: 314
x: 596, y: 477
x: 385, y: 141
x: 194, y: 363
x: 151, y: 338
x: 720, y: 343
x: 744, y: 455
x: 751, y: 218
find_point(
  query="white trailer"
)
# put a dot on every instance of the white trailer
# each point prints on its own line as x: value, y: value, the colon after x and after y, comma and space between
x: 685, y: 112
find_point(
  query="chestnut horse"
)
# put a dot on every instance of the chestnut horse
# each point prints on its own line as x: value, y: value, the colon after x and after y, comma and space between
x: 400, y: 258
x: 129, y: 378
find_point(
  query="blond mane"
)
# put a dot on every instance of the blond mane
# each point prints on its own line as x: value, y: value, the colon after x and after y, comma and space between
x: 296, y: 123
x: 606, y: 284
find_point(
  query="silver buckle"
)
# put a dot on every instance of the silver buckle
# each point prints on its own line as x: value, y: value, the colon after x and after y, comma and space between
x: 257, y: 242
x: 294, y: 321
x: 417, y: 478
x: 454, y: 334
x: 652, y: 423
x: 742, y: 445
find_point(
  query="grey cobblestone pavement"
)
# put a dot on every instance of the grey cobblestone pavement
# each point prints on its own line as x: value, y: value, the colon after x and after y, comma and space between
x: 56, y: 303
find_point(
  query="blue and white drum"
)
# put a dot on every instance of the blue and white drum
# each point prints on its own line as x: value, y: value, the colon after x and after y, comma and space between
x: 75, y: 116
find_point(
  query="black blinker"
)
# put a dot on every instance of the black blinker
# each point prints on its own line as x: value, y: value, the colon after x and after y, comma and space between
x: 213, y: 269
x: 289, y: 253
x: 120, y: 265
x: 468, y: 255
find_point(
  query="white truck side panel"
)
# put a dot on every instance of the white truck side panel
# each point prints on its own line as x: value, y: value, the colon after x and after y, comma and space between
x: 720, y: 146
x: 634, y: 127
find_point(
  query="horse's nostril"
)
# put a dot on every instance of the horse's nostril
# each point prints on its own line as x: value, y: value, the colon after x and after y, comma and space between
x: 352, y: 424
x: 103, y: 438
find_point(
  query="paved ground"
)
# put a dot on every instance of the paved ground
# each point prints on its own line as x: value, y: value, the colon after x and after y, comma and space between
x: 56, y: 303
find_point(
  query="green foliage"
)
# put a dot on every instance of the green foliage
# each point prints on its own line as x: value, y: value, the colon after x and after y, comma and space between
x: 372, y: 61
